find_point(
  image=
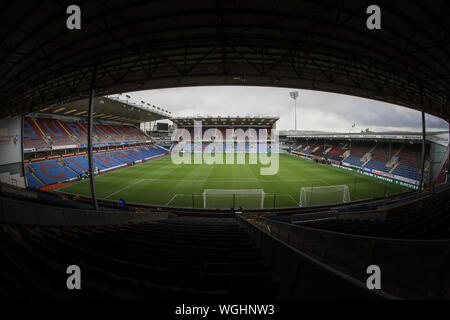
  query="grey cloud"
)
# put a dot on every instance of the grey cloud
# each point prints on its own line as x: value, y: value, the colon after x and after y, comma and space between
x: 315, y: 110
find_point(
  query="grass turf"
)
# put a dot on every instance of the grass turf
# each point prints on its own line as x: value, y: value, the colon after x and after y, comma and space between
x: 160, y: 182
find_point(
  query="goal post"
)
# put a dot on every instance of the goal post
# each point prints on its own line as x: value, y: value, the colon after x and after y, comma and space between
x: 226, y: 198
x: 323, y: 195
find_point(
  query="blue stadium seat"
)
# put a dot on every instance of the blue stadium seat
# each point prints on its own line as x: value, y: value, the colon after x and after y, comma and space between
x: 51, y: 172
x: 354, y: 161
x: 407, y: 172
x: 377, y: 165
x: 32, y: 181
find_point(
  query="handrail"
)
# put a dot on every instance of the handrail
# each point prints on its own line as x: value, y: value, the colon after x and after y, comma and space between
x: 13, y: 211
x: 410, y: 268
x: 322, y: 280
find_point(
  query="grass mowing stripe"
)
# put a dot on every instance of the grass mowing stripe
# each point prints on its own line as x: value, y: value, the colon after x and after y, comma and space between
x: 159, y: 180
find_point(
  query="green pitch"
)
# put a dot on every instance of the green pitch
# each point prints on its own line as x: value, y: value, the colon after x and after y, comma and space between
x: 160, y: 182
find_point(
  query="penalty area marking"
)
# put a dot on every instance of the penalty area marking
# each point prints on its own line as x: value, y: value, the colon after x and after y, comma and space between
x: 124, y: 188
x: 176, y: 195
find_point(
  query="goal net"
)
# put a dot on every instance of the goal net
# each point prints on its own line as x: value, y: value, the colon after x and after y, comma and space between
x: 227, y: 198
x: 323, y: 195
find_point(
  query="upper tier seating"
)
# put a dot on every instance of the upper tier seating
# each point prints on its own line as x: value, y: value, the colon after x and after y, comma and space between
x: 180, y: 258
x: 58, y: 133
x: 222, y: 147
x: 63, y: 169
x: 65, y: 133
x: 32, y: 135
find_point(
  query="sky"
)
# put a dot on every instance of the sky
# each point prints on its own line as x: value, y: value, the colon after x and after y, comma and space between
x: 316, y: 110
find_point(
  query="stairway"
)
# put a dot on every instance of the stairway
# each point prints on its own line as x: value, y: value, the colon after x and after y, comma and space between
x: 44, y: 136
x: 394, y: 166
x: 72, y: 137
x: 368, y: 159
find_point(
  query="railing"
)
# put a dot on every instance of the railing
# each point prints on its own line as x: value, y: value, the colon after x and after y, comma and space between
x: 28, y: 213
x: 414, y: 269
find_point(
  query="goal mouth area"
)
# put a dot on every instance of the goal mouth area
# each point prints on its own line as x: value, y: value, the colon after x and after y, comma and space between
x: 236, y: 198
x: 196, y: 200
x: 324, y: 195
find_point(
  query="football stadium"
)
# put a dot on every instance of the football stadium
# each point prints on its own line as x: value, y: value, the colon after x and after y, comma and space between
x: 106, y: 197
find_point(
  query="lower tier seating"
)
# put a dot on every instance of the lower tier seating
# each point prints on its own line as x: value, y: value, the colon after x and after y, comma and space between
x: 354, y: 161
x: 407, y: 171
x: 377, y: 165
x: 184, y: 258
x: 63, y: 169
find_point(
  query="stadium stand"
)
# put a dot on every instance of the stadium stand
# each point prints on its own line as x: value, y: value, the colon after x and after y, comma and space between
x: 49, y: 172
x: 207, y: 258
x: 33, y: 136
x: 354, y: 161
x: 397, y: 159
x: 44, y: 133
x: 359, y: 149
x: 52, y: 128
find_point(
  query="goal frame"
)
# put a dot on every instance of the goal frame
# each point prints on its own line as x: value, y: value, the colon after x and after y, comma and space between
x: 345, y: 193
x: 234, y: 192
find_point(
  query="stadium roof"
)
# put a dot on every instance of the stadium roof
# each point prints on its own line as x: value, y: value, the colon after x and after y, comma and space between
x: 107, y: 108
x: 310, y: 44
x: 227, y: 121
x: 440, y: 137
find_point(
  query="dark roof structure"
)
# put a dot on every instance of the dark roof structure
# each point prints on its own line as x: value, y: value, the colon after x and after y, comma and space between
x: 227, y: 121
x: 107, y: 108
x: 310, y: 44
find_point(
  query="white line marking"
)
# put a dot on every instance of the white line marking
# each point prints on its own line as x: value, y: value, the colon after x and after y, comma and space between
x: 126, y: 187
x: 171, y: 199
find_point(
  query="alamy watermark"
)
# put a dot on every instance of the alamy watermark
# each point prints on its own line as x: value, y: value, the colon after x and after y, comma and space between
x: 211, y: 147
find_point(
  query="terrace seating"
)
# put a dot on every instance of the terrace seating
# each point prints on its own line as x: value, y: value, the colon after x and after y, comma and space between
x: 306, y: 149
x: 381, y: 152
x: 53, y: 128
x: 32, y: 181
x: 32, y: 135
x: 358, y: 150
x: 320, y: 150
x: 79, y: 164
x: 194, y: 258
x: 377, y: 165
x: 407, y: 172
x: 337, y: 150
x: 411, y: 155
x: 50, y: 171
x: 334, y: 157
x: 56, y: 171
x: 44, y: 132
x: 354, y: 161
